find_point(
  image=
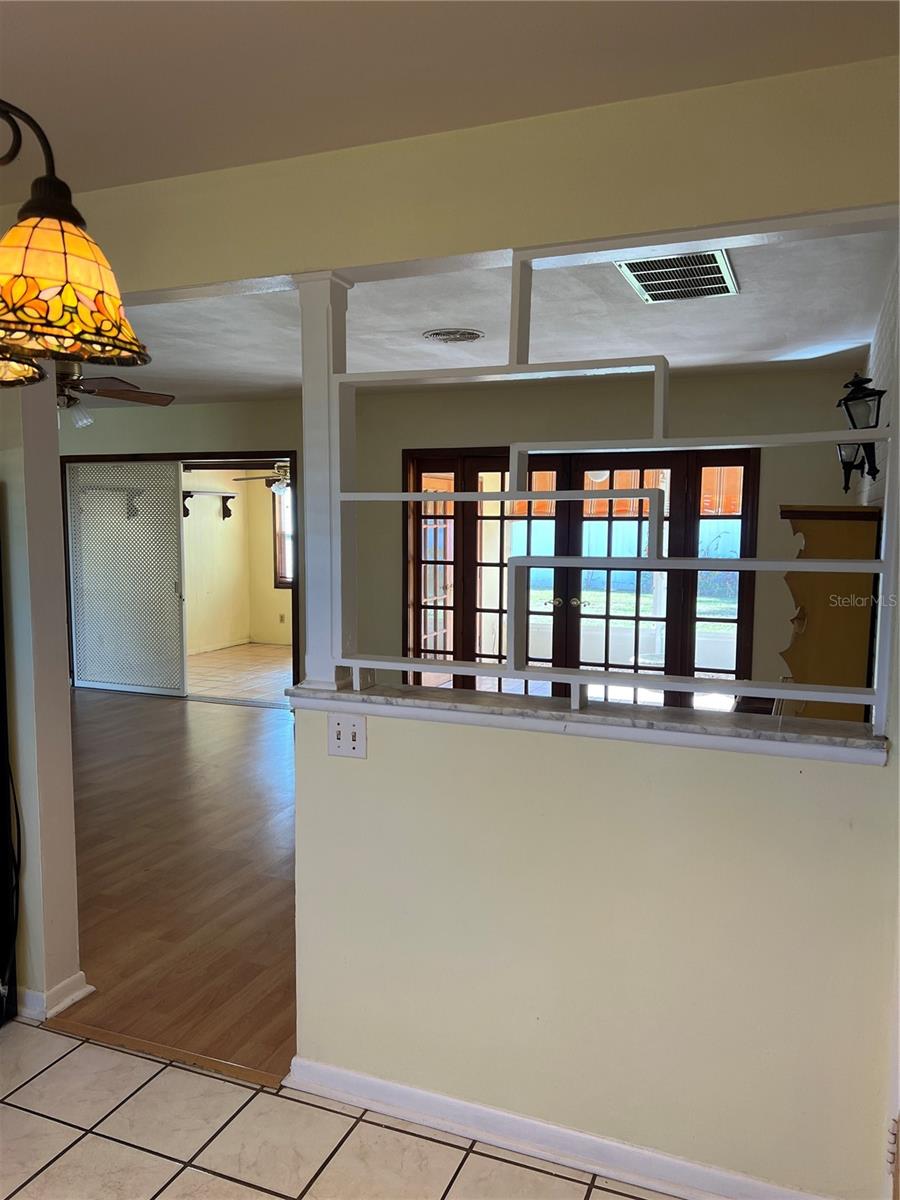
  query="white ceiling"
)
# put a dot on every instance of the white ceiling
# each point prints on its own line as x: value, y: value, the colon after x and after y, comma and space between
x: 798, y: 300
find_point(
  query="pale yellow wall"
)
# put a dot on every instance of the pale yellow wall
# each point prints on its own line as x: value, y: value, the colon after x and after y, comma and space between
x: 20, y: 681
x: 739, y: 152
x: 216, y: 564
x: 271, y: 425
x: 270, y: 607
x: 37, y: 689
x: 688, y: 950
x: 758, y: 400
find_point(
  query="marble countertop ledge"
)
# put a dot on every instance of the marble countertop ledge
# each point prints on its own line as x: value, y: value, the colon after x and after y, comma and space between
x: 549, y: 711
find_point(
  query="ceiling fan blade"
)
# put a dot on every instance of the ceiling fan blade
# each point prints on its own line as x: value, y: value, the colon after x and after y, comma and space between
x: 160, y: 399
x: 100, y: 382
x: 251, y: 478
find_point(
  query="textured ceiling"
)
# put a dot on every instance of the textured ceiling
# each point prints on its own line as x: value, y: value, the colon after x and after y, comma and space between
x: 140, y: 90
x: 798, y: 300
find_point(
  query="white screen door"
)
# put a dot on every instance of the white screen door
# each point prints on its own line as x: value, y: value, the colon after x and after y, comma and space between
x: 126, y: 576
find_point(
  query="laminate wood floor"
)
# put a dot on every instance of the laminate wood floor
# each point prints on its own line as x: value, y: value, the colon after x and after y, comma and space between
x: 185, y: 838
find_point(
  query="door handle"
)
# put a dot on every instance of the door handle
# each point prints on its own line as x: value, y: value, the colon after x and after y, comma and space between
x: 575, y: 602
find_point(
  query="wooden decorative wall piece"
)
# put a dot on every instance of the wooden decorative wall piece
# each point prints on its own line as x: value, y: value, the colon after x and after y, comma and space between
x: 835, y: 617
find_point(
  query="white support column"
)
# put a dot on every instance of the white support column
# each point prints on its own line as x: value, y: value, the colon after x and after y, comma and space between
x: 34, y: 603
x: 661, y: 399
x: 520, y: 311
x: 884, y: 717
x: 323, y: 324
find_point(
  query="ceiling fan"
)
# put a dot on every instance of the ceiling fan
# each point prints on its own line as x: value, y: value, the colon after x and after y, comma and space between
x: 279, y: 482
x: 71, y: 386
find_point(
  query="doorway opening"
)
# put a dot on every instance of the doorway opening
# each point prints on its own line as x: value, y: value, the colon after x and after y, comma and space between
x: 184, y: 809
x: 240, y: 578
x: 182, y: 574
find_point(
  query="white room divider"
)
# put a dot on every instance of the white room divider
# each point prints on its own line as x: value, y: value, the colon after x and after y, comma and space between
x: 126, y: 576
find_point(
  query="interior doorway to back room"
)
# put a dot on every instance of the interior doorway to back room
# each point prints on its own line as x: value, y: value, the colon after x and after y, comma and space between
x: 239, y: 580
x: 183, y: 575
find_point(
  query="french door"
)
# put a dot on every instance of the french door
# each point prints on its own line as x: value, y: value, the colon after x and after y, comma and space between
x: 126, y: 573
x: 642, y: 622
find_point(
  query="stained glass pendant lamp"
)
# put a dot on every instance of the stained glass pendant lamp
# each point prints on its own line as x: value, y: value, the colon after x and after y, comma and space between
x: 14, y: 372
x: 58, y: 295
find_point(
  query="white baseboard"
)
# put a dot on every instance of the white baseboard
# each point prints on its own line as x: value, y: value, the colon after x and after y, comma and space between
x: 30, y: 1004
x: 40, y: 1005
x: 588, y: 1152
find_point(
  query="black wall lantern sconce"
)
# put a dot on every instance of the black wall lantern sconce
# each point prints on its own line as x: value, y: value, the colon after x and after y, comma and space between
x: 862, y: 408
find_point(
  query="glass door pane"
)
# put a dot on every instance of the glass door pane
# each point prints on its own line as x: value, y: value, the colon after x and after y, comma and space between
x: 506, y: 529
x: 720, y: 532
x: 434, y: 603
x: 621, y: 615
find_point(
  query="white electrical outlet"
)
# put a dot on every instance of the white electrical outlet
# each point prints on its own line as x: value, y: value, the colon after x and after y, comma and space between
x: 346, y: 736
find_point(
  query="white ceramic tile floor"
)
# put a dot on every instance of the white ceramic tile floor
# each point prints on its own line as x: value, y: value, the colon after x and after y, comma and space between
x: 80, y: 1121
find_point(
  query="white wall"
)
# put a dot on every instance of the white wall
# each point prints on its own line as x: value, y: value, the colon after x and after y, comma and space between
x: 686, y: 950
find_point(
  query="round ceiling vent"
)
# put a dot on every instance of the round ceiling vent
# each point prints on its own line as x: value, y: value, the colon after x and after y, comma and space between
x: 451, y: 336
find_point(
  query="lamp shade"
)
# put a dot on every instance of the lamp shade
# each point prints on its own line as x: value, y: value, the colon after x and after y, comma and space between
x: 848, y: 453
x: 59, y: 297
x: 15, y: 372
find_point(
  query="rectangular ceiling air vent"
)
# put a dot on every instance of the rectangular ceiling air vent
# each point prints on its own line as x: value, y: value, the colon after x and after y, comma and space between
x: 681, y: 276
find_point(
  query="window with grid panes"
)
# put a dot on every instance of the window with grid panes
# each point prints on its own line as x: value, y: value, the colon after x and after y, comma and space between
x: 642, y: 622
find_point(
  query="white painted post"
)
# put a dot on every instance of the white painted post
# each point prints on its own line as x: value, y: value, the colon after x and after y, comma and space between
x: 517, y: 583
x: 323, y: 325
x: 885, y: 627
x: 520, y: 311
x: 661, y: 398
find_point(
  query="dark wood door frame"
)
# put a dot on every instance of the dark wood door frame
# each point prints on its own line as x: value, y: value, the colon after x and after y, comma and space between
x: 210, y: 460
x: 685, y: 467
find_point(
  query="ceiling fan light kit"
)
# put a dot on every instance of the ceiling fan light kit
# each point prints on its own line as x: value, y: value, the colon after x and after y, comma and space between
x: 279, y: 482
x: 58, y: 295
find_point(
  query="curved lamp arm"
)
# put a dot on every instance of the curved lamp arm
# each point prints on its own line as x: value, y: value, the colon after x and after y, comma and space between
x: 50, y: 197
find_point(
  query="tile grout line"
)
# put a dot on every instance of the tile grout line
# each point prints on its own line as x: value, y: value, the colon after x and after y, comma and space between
x: 323, y: 1107
x: 190, y: 1163
x: 32, y: 1112
x: 498, y: 1157
x: 459, y: 1166
x: 65, y: 1054
x: 194, y: 1165
x: 330, y: 1157
x: 258, y: 1187
x: 40, y: 1170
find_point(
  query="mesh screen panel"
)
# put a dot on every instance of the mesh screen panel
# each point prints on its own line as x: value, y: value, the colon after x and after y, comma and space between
x: 125, y: 561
